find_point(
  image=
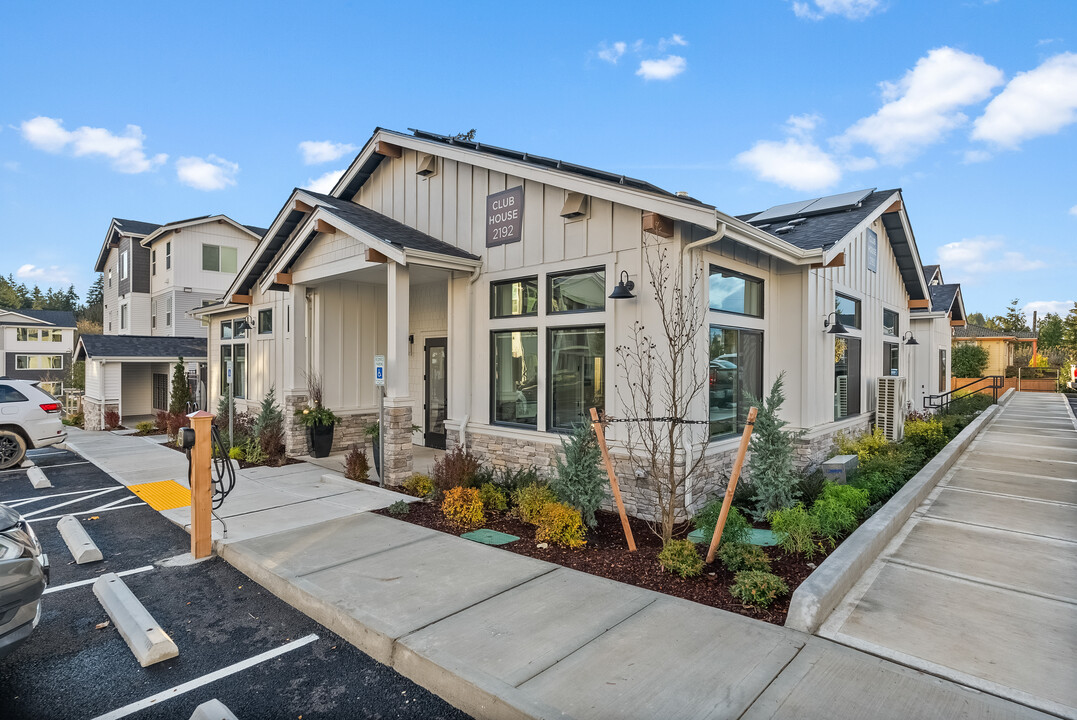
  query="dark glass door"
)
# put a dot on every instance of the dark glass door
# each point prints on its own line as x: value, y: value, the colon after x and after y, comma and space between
x: 436, y: 405
x: 160, y: 391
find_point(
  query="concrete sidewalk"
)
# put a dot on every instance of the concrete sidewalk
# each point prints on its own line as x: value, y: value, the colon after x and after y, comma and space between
x: 980, y: 586
x: 264, y: 500
x: 502, y: 635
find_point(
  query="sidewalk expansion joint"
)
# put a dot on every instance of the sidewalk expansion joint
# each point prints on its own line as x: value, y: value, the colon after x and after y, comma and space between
x: 981, y: 581
x: 1000, y: 529
x: 347, y: 561
x: 1011, y: 496
x: 960, y: 465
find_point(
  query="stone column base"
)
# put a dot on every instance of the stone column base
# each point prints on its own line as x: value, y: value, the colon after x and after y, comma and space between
x: 399, y: 454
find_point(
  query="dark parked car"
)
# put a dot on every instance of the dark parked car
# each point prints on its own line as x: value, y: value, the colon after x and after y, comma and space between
x: 24, y: 573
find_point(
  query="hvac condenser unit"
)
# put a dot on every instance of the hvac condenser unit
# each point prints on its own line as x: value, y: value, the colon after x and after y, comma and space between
x: 890, y: 407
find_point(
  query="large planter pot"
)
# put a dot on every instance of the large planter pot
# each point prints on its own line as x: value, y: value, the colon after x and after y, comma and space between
x: 376, y: 447
x: 320, y: 438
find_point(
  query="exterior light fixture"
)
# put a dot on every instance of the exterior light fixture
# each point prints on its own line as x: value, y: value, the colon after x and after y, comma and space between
x: 836, y: 328
x: 911, y: 340
x: 623, y: 291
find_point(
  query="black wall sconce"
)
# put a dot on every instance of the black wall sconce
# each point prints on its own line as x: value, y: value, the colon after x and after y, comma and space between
x: 836, y: 328
x: 911, y: 340
x: 624, y: 288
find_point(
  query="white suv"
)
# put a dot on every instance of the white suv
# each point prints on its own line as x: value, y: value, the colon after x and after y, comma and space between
x: 29, y: 419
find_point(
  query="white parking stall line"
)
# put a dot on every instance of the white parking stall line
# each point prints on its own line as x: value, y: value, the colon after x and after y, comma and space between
x: 206, y: 679
x: 92, y: 512
x: 71, y: 502
x: 50, y: 467
x: 37, y: 453
x: 91, y: 581
x: 26, y: 501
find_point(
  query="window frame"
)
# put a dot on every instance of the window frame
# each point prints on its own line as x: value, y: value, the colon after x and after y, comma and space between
x: 153, y: 261
x: 168, y: 255
x: 746, y: 278
x: 551, y: 276
x: 494, y: 284
x: 889, y: 351
x: 153, y: 313
x: 27, y: 356
x: 168, y: 311
x: 123, y: 316
x: 550, y: 330
x: 897, y: 322
x: 493, y: 398
x: 738, y: 425
x: 124, y: 267
x: 859, y: 315
x: 269, y: 313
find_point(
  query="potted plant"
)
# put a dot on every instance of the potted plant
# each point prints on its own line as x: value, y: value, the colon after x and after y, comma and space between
x: 373, y: 431
x: 320, y: 423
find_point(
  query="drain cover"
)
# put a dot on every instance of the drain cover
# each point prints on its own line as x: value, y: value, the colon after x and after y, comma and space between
x: 490, y: 537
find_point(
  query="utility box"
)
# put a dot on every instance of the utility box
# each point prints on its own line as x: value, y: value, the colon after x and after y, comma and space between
x: 840, y: 468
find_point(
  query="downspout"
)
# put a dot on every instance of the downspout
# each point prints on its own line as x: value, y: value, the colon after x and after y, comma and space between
x: 687, y: 440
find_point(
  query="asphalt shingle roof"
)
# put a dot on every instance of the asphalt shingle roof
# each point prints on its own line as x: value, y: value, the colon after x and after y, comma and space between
x: 259, y: 231
x: 823, y: 230
x: 973, y: 331
x: 930, y: 270
x: 942, y: 296
x: 387, y: 229
x: 106, y: 346
x: 58, y: 318
x: 136, y: 227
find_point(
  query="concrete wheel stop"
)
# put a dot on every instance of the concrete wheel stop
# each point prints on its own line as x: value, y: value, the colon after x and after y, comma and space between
x: 149, y: 643
x: 78, y: 541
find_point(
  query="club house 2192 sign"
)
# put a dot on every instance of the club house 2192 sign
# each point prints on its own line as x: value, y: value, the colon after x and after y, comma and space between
x: 504, y: 217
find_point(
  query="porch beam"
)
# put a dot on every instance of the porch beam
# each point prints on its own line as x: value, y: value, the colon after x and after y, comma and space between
x: 284, y: 278
x: 373, y: 256
x: 917, y: 304
x: 242, y: 299
x: 957, y: 323
x: 396, y: 361
x: 323, y: 227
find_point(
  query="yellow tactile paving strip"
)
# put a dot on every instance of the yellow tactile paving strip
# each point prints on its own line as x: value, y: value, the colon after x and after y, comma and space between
x: 164, y: 495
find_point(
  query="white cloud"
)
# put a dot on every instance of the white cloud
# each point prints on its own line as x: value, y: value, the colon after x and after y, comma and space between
x: 53, y: 275
x: 972, y: 258
x: 976, y: 156
x: 126, y: 151
x: 1038, y: 102
x: 326, y: 182
x: 850, y: 9
x: 925, y: 104
x: 211, y: 173
x: 665, y: 69
x: 795, y: 163
x: 1058, y: 307
x: 803, y: 126
x: 1073, y: 210
x: 612, y: 53
x: 322, y: 151
x: 674, y: 40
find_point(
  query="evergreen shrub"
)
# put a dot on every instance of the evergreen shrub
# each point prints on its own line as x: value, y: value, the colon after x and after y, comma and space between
x: 530, y: 500
x: 758, y: 588
x: 770, y: 465
x: 493, y: 498
x: 741, y: 556
x: 795, y: 529
x: 578, y: 480
x: 680, y: 557
x: 462, y: 507
x: 561, y: 524
x: 736, y: 530
x: 419, y: 485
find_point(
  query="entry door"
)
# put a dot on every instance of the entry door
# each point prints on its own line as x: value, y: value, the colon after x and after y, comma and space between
x: 160, y: 391
x: 436, y: 403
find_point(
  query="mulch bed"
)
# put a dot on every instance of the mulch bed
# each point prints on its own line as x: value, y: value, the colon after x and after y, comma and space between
x: 606, y: 555
x: 243, y: 464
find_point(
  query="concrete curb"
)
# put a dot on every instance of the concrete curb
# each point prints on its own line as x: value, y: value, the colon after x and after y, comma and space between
x: 82, y: 548
x: 149, y: 643
x: 213, y: 710
x: 37, y: 478
x: 817, y: 596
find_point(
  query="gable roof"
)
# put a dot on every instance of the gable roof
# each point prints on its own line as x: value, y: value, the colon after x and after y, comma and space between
x: 55, y: 318
x: 929, y: 272
x: 979, y: 331
x: 95, y: 347
x: 177, y: 225
x: 119, y: 227
x: 947, y: 299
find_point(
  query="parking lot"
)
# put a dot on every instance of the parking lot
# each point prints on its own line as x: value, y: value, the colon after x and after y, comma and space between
x: 237, y: 642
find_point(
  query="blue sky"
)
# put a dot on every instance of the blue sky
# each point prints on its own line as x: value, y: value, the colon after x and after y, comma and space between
x: 141, y: 111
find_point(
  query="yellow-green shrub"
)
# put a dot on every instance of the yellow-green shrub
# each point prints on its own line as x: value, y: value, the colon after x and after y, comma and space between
x: 463, y: 508
x: 493, y: 498
x: 927, y: 435
x: 530, y: 500
x: 680, y: 557
x: 742, y: 556
x: 863, y: 446
x: 560, y: 524
x: 419, y: 485
x: 757, y: 587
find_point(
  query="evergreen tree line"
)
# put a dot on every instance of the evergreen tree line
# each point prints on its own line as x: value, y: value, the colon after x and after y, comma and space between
x: 18, y: 296
x: 1057, y: 333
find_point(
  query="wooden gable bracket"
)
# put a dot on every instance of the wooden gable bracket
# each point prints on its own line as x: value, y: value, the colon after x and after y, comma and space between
x: 373, y: 256
x: 893, y: 208
x: 388, y: 149
x: 302, y: 207
x: 283, y: 278
x: 917, y: 304
x: 323, y: 227
x: 241, y: 299
x: 836, y: 261
x: 957, y: 323
x: 656, y: 224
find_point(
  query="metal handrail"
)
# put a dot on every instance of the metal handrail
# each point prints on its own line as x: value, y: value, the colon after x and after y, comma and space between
x: 943, y: 400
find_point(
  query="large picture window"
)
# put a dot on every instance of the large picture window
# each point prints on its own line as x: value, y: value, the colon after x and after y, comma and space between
x: 848, y: 310
x: 514, y: 377
x: 514, y: 298
x: 735, y: 373
x: 583, y: 291
x: 846, y: 377
x: 219, y: 258
x: 39, y: 362
x: 735, y: 293
x: 576, y: 375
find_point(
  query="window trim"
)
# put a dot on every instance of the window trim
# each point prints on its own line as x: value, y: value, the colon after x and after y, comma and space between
x: 123, y: 316
x: 124, y: 268
x: 168, y: 255
x: 565, y: 273
x: 550, y: 330
x: 153, y: 261
x: 889, y: 347
x: 742, y: 276
x: 493, y: 415
x: 859, y: 310
x: 36, y: 355
x: 897, y: 322
x: 538, y: 300
x: 153, y: 313
x: 739, y: 428
x: 261, y: 312
x: 168, y: 311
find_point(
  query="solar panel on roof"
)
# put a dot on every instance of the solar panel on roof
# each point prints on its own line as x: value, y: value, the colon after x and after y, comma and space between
x: 838, y: 202
x: 783, y: 210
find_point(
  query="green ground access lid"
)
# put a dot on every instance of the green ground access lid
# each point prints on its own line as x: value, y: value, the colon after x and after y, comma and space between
x: 490, y: 537
x: 758, y: 537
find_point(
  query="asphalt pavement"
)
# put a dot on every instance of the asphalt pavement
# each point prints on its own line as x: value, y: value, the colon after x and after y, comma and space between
x: 224, y: 624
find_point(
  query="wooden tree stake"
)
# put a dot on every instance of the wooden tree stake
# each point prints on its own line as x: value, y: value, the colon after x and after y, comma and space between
x: 728, y: 500
x: 601, y: 435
